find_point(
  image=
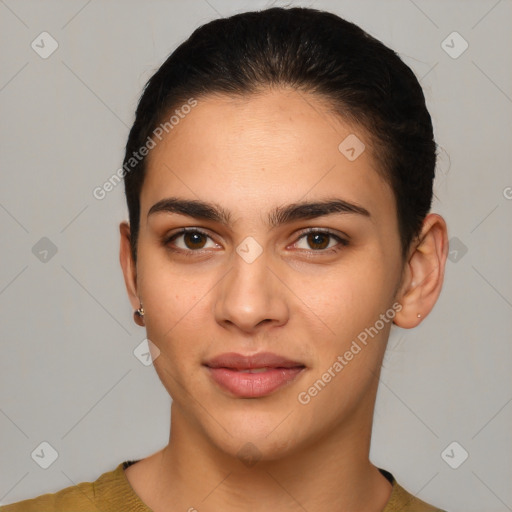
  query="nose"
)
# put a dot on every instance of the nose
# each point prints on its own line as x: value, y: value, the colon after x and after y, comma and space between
x: 252, y: 296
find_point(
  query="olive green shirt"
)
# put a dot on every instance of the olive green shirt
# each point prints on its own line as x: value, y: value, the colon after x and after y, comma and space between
x: 112, y: 492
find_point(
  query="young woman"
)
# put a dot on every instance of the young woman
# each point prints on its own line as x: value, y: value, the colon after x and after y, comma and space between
x: 279, y: 180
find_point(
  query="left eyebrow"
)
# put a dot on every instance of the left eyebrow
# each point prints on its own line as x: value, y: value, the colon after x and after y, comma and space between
x: 310, y: 210
x: 277, y: 217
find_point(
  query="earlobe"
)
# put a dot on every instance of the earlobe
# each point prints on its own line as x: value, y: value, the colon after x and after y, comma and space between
x: 424, y: 273
x: 128, y: 265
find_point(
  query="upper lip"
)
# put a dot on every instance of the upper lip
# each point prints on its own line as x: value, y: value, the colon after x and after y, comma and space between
x: 249, y: 362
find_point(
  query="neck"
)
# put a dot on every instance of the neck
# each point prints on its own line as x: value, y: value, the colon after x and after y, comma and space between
x: 330, y: 473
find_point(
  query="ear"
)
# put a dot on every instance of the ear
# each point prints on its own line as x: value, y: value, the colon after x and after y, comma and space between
x: 128, y: 265
x: 423, y: 275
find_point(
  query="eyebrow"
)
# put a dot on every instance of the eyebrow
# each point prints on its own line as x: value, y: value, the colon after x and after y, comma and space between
x: 277, y: 217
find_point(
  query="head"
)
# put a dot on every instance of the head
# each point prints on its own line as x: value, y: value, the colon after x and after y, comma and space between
x: 246, y: 121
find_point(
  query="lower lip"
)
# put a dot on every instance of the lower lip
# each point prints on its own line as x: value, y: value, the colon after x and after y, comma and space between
x: 253, y: 385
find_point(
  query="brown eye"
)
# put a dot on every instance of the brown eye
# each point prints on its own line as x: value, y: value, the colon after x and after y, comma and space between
x: 321, y: 241
x: 194, y: 240
x: 188, y: 240
x: 318, y: 240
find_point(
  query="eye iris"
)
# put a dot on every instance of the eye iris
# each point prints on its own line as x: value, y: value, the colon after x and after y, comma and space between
x: 196, y: 239
x: 315, y: 239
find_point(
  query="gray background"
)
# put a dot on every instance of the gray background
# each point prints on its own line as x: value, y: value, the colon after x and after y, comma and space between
x: 67, y: 369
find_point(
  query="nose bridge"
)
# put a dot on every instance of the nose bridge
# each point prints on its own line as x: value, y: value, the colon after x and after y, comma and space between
x: 250, y: 293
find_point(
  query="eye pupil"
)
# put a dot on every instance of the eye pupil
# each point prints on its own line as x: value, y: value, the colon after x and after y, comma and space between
x: 315, y: 239
x: 196, y: 240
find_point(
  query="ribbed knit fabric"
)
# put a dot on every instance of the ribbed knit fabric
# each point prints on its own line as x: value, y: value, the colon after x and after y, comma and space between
x: 112, y: 492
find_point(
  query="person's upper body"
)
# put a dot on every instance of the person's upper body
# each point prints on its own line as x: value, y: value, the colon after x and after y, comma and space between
x: 271, y: 345
x: 112, y: 492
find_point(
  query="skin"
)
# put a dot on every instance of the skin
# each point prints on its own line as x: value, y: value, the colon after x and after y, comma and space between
x: 297, y: 299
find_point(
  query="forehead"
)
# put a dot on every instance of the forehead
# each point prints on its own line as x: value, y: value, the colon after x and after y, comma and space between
x: 265, y: 149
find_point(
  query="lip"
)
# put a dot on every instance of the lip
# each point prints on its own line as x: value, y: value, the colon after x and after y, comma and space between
x: 236, y: 361
x: 227, y: 370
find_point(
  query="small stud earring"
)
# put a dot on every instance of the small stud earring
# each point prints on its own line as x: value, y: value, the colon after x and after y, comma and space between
x: 138, y: 316
x: 419, y: 316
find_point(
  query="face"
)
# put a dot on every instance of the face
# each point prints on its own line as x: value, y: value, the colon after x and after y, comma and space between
x: 265, y: 274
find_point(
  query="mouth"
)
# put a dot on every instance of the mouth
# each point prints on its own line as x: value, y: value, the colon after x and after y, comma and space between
x: 253, y: 376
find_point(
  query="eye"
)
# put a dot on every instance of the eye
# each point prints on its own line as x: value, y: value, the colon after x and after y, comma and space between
x: 193, y: 240
x: 320, y: 240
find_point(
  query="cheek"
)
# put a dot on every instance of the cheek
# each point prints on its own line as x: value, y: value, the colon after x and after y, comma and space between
x: 174, y: 304
x: 343, y: 300
x: 174, y: 318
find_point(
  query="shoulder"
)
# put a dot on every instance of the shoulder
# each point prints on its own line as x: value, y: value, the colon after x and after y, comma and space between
x: 402, y: 500
x: 106, y: 493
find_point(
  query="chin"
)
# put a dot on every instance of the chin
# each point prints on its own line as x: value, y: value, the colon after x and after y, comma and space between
x: 252, y: 449
x: 251, y: 439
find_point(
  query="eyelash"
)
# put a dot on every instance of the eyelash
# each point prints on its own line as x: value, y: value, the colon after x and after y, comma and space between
x: 189, y: 252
